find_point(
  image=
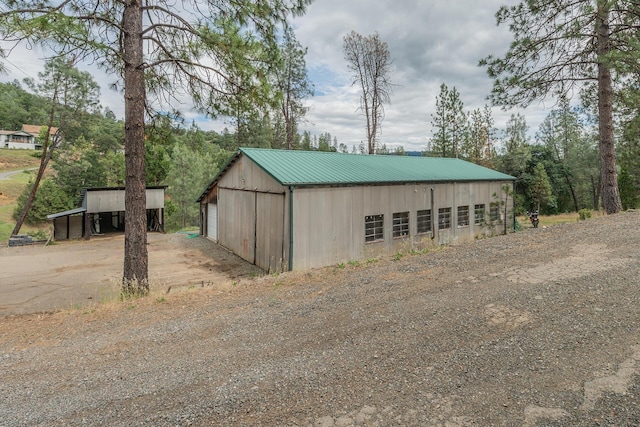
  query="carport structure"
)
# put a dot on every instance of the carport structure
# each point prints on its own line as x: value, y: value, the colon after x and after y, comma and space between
x: 102, y: 211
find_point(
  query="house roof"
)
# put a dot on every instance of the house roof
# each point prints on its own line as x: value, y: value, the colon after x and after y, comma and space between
x: 301, y: 168
x: 14, y: 132
x: 35, y: 129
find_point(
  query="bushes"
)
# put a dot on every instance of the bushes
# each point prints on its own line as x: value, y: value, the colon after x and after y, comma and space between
x: 584, y: 214
x: 49, y: 199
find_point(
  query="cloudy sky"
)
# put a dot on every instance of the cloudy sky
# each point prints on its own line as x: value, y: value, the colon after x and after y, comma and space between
x: 431, y: 42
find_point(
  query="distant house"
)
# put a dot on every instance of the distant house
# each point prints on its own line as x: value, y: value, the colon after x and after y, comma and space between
x: 35, y: 130
x: 28, y: 138
x: 17, y: 139
x: 101, y: 211
x: 294, y: 210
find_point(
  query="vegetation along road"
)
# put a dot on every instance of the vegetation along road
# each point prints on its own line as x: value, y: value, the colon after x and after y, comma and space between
x: 536, y: 328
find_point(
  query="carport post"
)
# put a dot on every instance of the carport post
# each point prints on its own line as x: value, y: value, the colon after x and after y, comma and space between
x: 86, y: 226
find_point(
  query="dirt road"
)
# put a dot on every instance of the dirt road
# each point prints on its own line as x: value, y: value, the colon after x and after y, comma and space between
x: 81, y: 273
x: 538, y: 328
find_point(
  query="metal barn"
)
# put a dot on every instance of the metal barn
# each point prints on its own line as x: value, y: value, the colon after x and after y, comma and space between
x: 102, y: 211
x: 295, y: 210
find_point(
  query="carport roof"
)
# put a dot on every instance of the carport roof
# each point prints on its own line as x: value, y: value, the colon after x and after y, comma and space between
x: 67, y: 213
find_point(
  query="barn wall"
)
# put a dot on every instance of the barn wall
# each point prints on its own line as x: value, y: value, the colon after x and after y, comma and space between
x: 262, y: 239
x: 113, y: 200
x: 329, y: 223
x: 244, y: 174
x: 74, y: 231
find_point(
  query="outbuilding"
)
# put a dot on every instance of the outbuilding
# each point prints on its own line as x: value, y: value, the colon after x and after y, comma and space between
x: 295, y: 210
x: 102, y: 211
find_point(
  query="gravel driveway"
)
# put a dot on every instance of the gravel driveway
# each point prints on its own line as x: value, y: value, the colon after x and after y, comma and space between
x: 538, y: 328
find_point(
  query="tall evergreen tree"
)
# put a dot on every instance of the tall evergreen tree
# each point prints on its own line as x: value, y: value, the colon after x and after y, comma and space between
x: 293, y: 83
x: 449, y: 124
x: 560, y: 46
x: 516, y: 151
x: 156, y: 49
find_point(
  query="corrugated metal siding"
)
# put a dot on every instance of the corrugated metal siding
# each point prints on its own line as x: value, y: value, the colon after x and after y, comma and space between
x: 270, y: 232
x: 245, y: 174
x: 236, y: 220
x: 113, y: 200
x: 329, y: 222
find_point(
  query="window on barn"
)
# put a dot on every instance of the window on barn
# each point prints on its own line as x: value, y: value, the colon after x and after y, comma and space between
x: 373, y: 228
x: 463, y: 216
x: 444, y: 218
x: 494, y: 213
x: 478, y: 214
x: 401, y: 224
x: 424, y: 221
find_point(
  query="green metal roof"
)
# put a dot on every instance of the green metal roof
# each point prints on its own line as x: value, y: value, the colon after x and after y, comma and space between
x: 292, y: 167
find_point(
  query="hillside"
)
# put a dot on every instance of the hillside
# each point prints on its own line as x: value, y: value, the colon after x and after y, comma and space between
x: 11, y: 187
x: 537, y: 328
x: 17, y: 159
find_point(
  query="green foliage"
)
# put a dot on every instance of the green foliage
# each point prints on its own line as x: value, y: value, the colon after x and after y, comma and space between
x: 517, y: 151
x: 629, y: 191
x: 80, y: 165
x: 540, y: 188
x: 292, y: 81
x: 50, y: 198
x: 584, y: 214
x: 449, y: 123
x: 18, y: 107
x: 190, y: 173
x: 38, y: 235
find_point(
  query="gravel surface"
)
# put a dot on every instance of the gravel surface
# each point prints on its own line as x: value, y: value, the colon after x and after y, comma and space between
x: 537, y: 328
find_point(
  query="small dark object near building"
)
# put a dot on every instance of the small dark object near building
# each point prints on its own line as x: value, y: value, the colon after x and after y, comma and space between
x: 20, y: 240
x: 533, y: 217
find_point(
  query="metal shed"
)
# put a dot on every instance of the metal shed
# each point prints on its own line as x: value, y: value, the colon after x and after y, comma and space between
x: 102, y: 211
x: 294, y: 210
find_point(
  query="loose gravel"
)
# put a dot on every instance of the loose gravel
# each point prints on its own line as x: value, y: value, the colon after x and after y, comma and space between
x: 536, y: 328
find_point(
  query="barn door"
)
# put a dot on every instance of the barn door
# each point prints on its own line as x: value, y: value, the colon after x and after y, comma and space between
x: 270, y: 232
x: 236, y: 222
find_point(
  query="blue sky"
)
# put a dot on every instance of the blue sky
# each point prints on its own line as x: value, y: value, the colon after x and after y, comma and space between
x: 431, y: 42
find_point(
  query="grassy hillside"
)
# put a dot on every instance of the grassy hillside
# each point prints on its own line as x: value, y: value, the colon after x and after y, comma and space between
x: 11, y: 188
x: 17, y: 159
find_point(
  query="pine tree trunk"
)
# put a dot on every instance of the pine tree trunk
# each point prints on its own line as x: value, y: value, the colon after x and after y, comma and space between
x: 44, y: 161
x: 136, y: 263
x: 608, y: 172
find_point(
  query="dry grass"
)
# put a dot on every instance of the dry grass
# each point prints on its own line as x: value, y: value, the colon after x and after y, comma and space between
x: 17, y: 159
x: 10, y: 189
x: 549, y: 220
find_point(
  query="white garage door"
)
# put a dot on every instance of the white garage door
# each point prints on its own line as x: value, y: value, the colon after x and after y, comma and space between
x: 212, y: 221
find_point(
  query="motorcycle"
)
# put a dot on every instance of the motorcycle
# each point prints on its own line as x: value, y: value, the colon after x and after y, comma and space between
x: 533, y: 217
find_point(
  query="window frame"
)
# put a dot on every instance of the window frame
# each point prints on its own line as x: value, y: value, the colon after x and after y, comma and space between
x: 424, y: 217
x: 478, y: 214
x: 400, y: 225
x: 495, y: 214
x: 462, y: 218
x: 374, y: 228
x: 444, y: 213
